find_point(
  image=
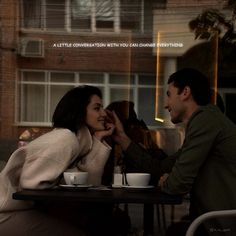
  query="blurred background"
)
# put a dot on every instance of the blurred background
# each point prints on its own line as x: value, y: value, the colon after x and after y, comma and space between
x: 126, y: 48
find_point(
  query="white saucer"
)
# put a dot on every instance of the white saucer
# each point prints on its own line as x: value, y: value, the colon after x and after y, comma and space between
x: 137, y: 187
x: 83, y: 186
x: 116, y: 186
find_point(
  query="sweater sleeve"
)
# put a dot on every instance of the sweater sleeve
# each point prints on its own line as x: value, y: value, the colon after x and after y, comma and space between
x: 45, y: 162
x: 95, y: 161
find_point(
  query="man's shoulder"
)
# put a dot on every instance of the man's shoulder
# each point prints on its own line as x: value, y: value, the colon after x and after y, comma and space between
x: 210, y: 118
x: 208, y: 113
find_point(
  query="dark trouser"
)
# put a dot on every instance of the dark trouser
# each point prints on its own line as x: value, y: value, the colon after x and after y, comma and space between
x: 35, y: 223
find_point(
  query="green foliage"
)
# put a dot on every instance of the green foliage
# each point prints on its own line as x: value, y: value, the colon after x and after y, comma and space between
x: 212, y: 21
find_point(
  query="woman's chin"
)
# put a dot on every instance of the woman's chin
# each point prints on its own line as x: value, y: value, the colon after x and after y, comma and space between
x: 95, y: 129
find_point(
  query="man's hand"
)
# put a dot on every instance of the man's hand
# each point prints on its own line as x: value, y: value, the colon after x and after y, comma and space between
x: 119, y: 136
x: 162, y: 180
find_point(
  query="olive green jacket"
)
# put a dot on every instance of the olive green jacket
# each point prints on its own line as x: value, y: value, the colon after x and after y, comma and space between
x: 205, y: 165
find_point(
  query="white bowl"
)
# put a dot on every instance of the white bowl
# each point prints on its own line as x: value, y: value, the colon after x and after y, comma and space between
x: 138, y: 179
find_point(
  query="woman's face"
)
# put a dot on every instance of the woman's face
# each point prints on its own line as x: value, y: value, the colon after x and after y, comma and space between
x: 95, y: 116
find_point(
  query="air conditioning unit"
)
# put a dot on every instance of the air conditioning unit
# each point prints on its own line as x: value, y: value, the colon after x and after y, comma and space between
x: 32, y: 47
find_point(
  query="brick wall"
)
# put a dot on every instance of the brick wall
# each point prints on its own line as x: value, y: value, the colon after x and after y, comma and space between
x: 97, y: 59
x: 9, y: 29
x: 112, y: 59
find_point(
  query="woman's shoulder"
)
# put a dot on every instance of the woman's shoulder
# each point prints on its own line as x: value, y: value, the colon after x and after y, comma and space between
x: 62, y: 131
x: 56, y: 136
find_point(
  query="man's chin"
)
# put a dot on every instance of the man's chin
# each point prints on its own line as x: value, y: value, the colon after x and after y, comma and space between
x: 175, y: 121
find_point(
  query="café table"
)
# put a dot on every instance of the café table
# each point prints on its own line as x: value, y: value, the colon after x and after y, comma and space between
x: 148, y: 197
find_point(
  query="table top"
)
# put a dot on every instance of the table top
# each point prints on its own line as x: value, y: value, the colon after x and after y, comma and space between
x: 121, y: 195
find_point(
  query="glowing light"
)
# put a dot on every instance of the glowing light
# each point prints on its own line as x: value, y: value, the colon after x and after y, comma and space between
x: 160, y: 120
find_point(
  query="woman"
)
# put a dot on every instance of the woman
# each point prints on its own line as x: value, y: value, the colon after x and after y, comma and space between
x: 76, y: 141
x: 139, y: 140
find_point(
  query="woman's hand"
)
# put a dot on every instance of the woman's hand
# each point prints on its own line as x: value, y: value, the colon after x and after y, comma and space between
x: 109, y: 129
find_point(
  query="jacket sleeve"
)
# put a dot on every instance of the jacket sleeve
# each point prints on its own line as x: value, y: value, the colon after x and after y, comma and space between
x: 200, y: 136
x: 44, y: 166
x: 95, y: 161
x: 137, y: 158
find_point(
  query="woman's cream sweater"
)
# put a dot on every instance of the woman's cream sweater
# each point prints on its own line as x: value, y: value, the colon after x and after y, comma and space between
x: 40, y: 164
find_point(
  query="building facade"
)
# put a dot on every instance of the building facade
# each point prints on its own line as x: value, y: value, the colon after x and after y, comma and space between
x: 50, y: 46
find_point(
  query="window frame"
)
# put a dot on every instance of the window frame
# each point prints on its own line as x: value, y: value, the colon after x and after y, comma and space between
x: 105, y: 85
x: 93, y: 29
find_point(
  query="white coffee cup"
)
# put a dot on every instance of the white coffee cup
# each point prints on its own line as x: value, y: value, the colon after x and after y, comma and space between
x: 138, y: 179
x: 75, y: 177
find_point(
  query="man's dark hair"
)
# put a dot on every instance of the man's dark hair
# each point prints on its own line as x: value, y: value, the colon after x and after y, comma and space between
x: 197, y: 82
x: 70, y: 112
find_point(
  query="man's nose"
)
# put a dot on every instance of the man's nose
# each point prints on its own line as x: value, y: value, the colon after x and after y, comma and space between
x: 166, y: 104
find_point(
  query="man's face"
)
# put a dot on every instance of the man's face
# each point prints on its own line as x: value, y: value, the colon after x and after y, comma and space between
x: 175, y: 104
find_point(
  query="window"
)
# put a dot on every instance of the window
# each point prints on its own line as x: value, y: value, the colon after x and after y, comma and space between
x: 33, y: 97
x: 40, y: 91
x: 38, y: 94
x: 93, y: 15
x: 55, y: 14
x: 105, y: 14
x: 81, y: 11
x: 146, y: 95
x: 83, y: 15
x: 130, y: 14
x: 32, y: 14
x: 43, y: 14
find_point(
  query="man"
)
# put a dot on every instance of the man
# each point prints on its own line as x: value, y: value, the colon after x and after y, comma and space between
x: 205, y: 165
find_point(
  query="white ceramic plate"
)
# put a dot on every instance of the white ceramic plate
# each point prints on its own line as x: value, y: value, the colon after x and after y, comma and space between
x: 116, y: 186
x: 81, y: 186
x: 137, y: 187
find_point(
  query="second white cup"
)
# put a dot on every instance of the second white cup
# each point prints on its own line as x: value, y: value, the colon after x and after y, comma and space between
x: 138, y: 179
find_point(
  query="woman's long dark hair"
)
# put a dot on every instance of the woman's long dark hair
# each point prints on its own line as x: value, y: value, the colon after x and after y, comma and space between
x: 70, y: 112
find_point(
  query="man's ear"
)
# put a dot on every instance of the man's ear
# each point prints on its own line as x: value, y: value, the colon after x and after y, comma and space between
x: 186, y: 93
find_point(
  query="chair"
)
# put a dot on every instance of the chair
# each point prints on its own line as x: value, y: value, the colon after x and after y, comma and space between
x: 206, y: 216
